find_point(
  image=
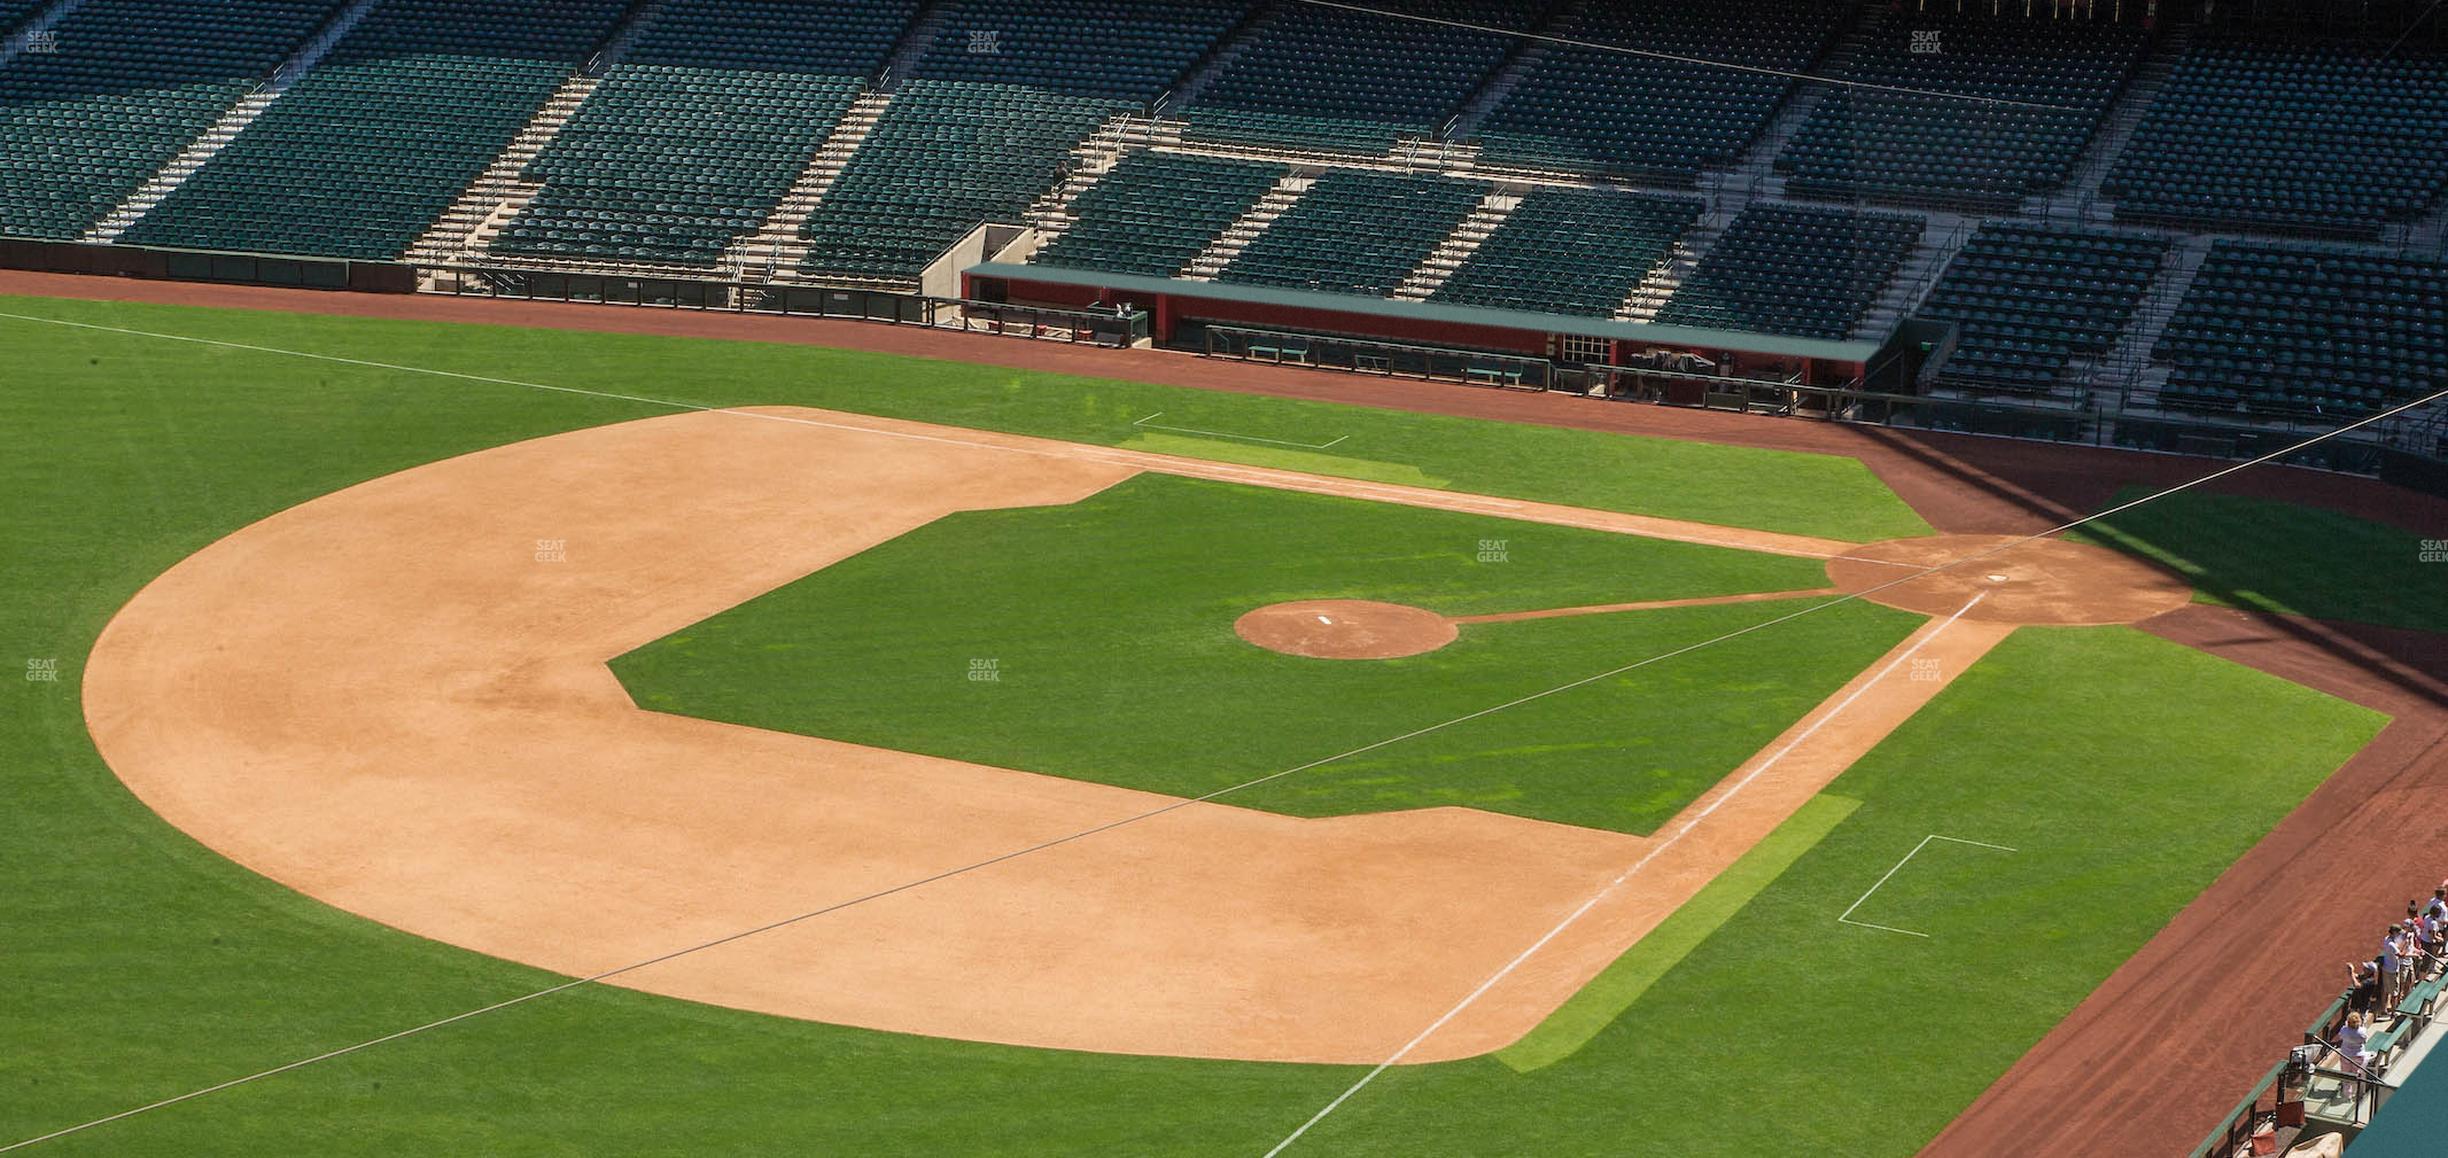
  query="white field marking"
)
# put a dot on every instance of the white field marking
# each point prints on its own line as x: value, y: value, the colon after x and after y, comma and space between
x: 1602, y: 894
x: 1452, y: 500
x: 1149, y: 423
x: 411, y: 1031
x: 1326, y: 621
x: 1847, y: 917
x: 1112, y: 456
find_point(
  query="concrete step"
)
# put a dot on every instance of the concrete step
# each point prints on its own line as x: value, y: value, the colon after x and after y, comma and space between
x: 775, y: 246
x: 1471, y: 232
x: 232, y: 122
x: 1238, y: 236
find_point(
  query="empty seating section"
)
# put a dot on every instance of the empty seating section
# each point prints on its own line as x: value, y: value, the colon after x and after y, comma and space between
x: 698, y: 132
x: 945, y: 158
x: 1791, y: 269
x: 1571, y: 251
x: 2026, y: 299
x: 1587, y: 108
x: 2312, y: 137
x: 1111, y: 50
x: 130, y: 84
x: 376, y: 141
x: 1154, y: 212
x: 1356, y: 231
x: 14, y: 14
x: 1319, y: 77
x: 1989, y: 152
x: 2298, y: 330
x: 995, y: 105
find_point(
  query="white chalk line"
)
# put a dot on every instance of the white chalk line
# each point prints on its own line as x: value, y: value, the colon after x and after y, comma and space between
x: 1670, y: 529
x: 1846, y: 918
x: 1147, y: 424
x: 1932, y: 569
x: 1602, y: 894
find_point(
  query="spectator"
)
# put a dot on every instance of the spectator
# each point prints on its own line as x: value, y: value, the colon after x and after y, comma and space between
x: 2388, y: 965
x: 2353, y: 1044
x: 2364, y: 979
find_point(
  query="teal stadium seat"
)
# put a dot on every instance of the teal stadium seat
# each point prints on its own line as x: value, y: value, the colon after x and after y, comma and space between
x: 1798, y: 270
x: 698, y: 132
x: 129, y: 84
x: 2026, y: 299
x: 368, y: 149
x: 1864, y: 142
x: 16, y: 14
x: 1356, y: 231
x: 1588, y: 109
x: 1152, y: 213
x: 2331, y: 138
x: 1571, y: 251
x: 988, y: 119
x: 2305, y: 331
x: 1333, y: 79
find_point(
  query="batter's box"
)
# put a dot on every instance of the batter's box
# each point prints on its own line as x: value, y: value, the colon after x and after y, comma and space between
x: 1846, y: 918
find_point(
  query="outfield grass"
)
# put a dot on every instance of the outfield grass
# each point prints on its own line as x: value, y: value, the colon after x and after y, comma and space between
x: 2262, y: 555
x: 140, y: 966
x: 1110, y: 623
x: 1807, y: 494
x: 1788, y: 1033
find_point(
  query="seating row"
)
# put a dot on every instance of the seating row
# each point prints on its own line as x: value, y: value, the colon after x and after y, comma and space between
x: 1799, y: 270
x: 368, y: 149
x: 1571, y: 251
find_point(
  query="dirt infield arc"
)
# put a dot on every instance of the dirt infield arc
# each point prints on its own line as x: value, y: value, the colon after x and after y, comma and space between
x: 395, y: 699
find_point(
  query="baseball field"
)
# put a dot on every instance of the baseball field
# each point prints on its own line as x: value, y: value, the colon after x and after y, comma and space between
x: 917, y: 756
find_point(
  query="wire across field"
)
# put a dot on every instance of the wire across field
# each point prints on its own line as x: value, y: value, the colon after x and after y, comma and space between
x: 105, y: 1017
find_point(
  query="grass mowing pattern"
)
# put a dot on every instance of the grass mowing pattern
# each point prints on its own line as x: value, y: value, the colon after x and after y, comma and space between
x: 1111, y: 624
x: 2261, y: 555
x: 1805, y: 494
x: 1621, y: 984
x: 141, y: 965
x: 1787, y: 1033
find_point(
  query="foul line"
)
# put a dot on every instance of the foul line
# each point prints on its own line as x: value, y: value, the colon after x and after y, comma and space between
x: 1602, y: 894
x: 1933, y: 569
x: 1847, y: 917
x: 1149, y: 423
x: 1948, y: 565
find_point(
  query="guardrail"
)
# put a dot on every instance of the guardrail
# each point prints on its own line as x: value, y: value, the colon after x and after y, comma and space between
x: 1099, y: 327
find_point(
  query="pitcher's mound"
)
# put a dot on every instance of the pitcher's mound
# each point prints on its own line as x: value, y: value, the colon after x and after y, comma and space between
x: 1346, y: 629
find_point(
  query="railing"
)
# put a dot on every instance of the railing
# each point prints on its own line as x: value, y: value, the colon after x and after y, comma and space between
x: 1115, y: 327
x: 1389, y: 359
x: 2234, y: 1133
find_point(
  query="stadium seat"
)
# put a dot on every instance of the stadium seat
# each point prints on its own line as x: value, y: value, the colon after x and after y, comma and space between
x: 2304, y: 331
x: 128, y: 85
x: 1356, y: 231
x: 2027, y: 298
x: 1571, y: 251
x: 368, y: 149
x: 700, y: 129
x: 1791, y: 269
x: 1154, y: 212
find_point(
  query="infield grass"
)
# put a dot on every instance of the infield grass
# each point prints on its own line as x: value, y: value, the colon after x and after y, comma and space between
x: 1108, y: 623
x: 139, y: 965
